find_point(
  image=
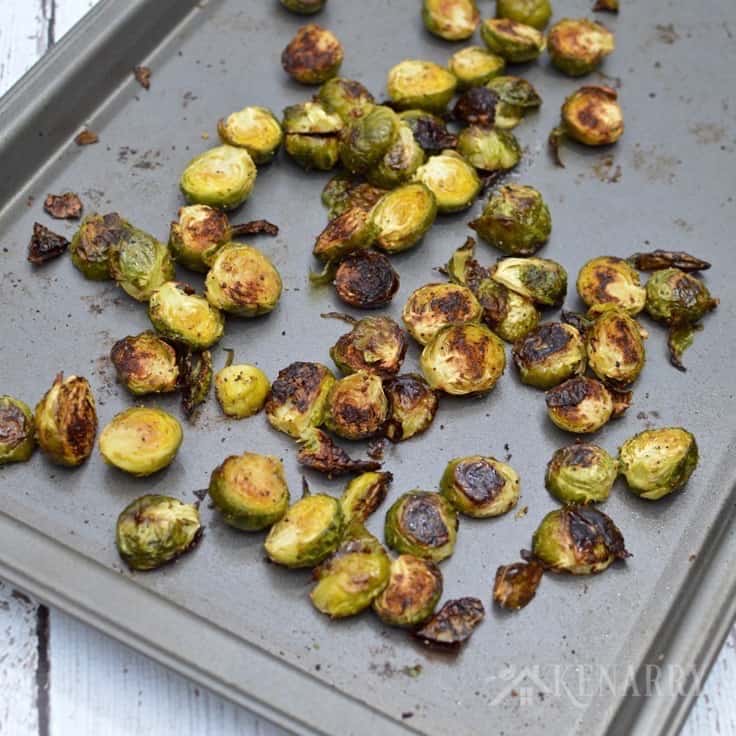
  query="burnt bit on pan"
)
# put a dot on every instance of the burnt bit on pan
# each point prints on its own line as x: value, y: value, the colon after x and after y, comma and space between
x: 86, y: 138
x: 366, y: 279
x: 45, y: 245
x: 452, y: 624
x: 65, y: 206
x: 516, y: 584
x: 142, y: 75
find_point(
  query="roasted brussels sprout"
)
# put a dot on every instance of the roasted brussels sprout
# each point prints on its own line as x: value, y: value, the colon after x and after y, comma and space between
x: 90, y: 246
x: 516, y: 585
x: 452, y: 625
x: 515, y: 220
x: 145, y: 364
x: 453, y: 20
x: 243, y: 281
x: 298, y: 398
x: 581, y: 473
x: 402, y: 217
x: 420, y: 84
x: 357, y: 407
x: 250, y: 491
x: 657, y: 462
x: 363, y: 495
x: 463, y: 359
x: 423, y: 524
x: 141, y: 441
x: 312, y: 136
x: 350, y: 231
x: 476, y: 106
x: 366, y: 280
x: 549, y: 355
x: 304, y: 7
x: 368, y: 139
x: 222, y: 177
x: 399, y: 163
x: 542, y: 280
x: 345, y: 97
x: 580, y: 404
x: 489, y: 149
x: 615, y: 348
x: 579, y: 540
x: 611, y: 280
x: 319, y: 452
x: 474, y: 65
x: 180, y: 314
x: 17, y: 431
x: 516, y: 42
x: 452, y: 180
x: 154, y: 530
x: 197, y: 236
x: 313, y: 56
x: 255, y: 129
x: 66, y: 421
x: 241, y: 390
x: 480, y: 486
x: 675, y: 296
x: 342, y: 193
x: 535, y: 13
x: 412, y: 406
x: 309, y: 532
x: 140, y: 264
x: 577, y: 46
x: 413, y: 591
x: 514, y: 97
x: 430, y: 131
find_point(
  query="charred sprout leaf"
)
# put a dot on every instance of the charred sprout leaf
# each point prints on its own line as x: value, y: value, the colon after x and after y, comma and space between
x: 342, y: 193
x: 312, y: 136
x: 90, y: 246
x: 581, y: 473
x: 45, y: 245
x: 357, y: 407
x: 556, y: 136
x: 676, y: 297
x: 319, y: 452
x: 477, y: 106
x: 17, y: 431
x: 241, y: 390
x: 680, y: 337
x: 430, y: 131
x: 606, y: 6
x: 313, y: 56
x: 142, y: 75
x: 399, y: 163
x: 65, y: 206
x: 610, y: 280
x: 145, y: 364
x: 540, y: 279
x: 474, y: 66
x: 516, y: 584
x: 154, y: 530
x: 577, y: 46
x: 196, y: 381
x: 581, y: 405
x: 345, y: 97
x: 304, y: 7
x: 489, y: 149
x: 480, y: 487
x: 452, y: 624
x: 420, y: 84
x: 659, y: 259
x: 516, y: 42
x: 622, y: 401
x: 368, y: 139
x: 615, y: 347
x: 255, y: 129
x: 453, y: 181
x: 366, y: 280
x: 363, y: 495
x: 402, y: 217
x: 348, y: 232
x: 453, y: 20
x: 432, y: 307
x: 140, y: 264
x: 255, y: 227
x: 412, y: 406
x: 86, y: 138
x: 535, y: 13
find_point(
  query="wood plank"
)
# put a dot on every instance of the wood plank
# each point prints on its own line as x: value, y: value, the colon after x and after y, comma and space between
x: 68, y: 12
x: 24, y: 36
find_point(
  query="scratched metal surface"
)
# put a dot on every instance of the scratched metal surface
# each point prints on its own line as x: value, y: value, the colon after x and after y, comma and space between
x: 669, y: 183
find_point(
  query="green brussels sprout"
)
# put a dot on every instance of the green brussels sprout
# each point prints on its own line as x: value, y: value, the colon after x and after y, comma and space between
x: 452, y: 180
x: 535, y: 13
x: 145, y: 364
x: 304, y: 7
x: 180, y: 314
x: 318, y: 451
x: 17, y: 431
x: 350, y: 231
x: 463, y: 359
x: 363, y: 495
x: 345, y: 97
x: 657, y: 462
x: 313, y: 56
x: 255, y: 129
x: 453, y: 20
x: 197, y: 236
x: 420, y: 84
x: 515, y: 220
x: 422, y: 524
x: 66, y: 421
x: 611, y: 280
x: 241, y: 390
x: 312, y: 136
x: 222, y: 177
x: 141, y: 441
x: 516, y: 585
x: 675, y: 296
x: 488, y: 149
x: 368, y: 139
x: 474, y: 66
x: 581, y: 473
x: 342, y: 193
x: 549, y: 355
x: 154, y: 530
x: 309, y: 532
x: 403, y: 216
x: 414, y: 589
x: 580, y: 404
x: 515, y: 96
x: 412, y: 406
x: 366, y: 280
x: 357, y: 407
x: 576, y: 47
x: 399, y: 163
x: 480, y: 487
x: 432, y: 307
x: 243, y: 281
x: 430, y: 131
x: 452, y: 625
x: 250, y: 491
x: 90, y: 246
x: 579, y: 540
x: 542, y: 280
x: 516, y: 42
x: 615, y: 348
x: 298, y: 398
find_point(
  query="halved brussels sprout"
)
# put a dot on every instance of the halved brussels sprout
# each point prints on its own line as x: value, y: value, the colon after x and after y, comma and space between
x: 474, y: 66
x: 675, y: 296
x: 141, y: 441
x: 611, y: 280
x: 154, y: 530
x: 577, y: 46
x: 581, y: 473
x: 145, y: 364
x: 254, y: 128
x: 516, y: 585
x: 657, y: 462
x: 480, y: 487
x: 222, y: 177
x: 345, y: 97
x: 549, y: 355
x: 463, y: 359
x: 515, y: 96
x: 515, y: 220
x: 197, y: 236
x: 580, y: 404
x: 17, y: 431
x: 140, y: 264
x: 414, y: 589
x: 453, y: 20
x: 363, y: 495
x: 540, y: 279
x: 452, y: 625
x: 350, y: 231
x: 616, y: 352
x: 432, y: 307
x: 90, y: 246
x: 357, y: 407
x: 516, y: 42
x: 312, y: 135
x: 423, y: 524
x: 452, y: 180
x: 412, y: 406
x: 489, y: 149
x: 243, y: 281
x: 66, y: 421
x: 250, y: 491
x: 318, y: 451
x: 399, y: 163
x: 420, y: 84
x: 241, y: 390
x: 580, y: 540
x: 366, y: 280
x: 476, y: 106
x: 304, y: 7
x: 535, y: 13
x: 342, y: 193
x: 309, y: 532
x: 402, y: 217
x: 430, y: 131
x: 313, y: 56
x: 298, y: 398
x: 179, y: 314
x: 368, y: 139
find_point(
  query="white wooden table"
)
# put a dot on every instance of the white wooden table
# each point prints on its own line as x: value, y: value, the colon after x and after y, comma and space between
x: 59, y: 677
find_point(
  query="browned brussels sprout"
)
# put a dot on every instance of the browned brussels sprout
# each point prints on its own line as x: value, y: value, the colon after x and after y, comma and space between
x: 515, y: 96
x: 304, y: 7
x: 580, y: 404
x: 366, y: 280
x: 488, y: 149
x: 312, y: 136
x: 319, y: 452
x: 255, y: 129
x: 140, y: 264
x: 399, y: 163
x: 516, y: 42
x: 17, y: 431
x: 549, y: 355
x: 535, y: 13
x: 197, y: 236
x: 516, y: 584
x: 453, y: 20
x: 420, y: 84
x: 452, y: 625
x: 313, y: 56
x: 474, y: 66
x: 145, y: 364
x: 477, y: 106
x: 363, y: 495
x: 581, y: 473
x: 90, y: 246
x: 542, y: 280
x: 349, y: 231
x: 577, y: 46
x: 480, y: 487
x: 345, y: 97
x: 357, y: 407
x: 241, y: 390
x: 611, y: 280
x: 615, y: 348
x: 368, y: 139
x: 412, y: 406
x: 430, y: 131
x: 402, y: 217
x: 342, y: 193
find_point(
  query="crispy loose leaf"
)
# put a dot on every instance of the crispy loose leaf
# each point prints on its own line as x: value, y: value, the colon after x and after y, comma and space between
x: 658, y: 259
x: 679, y: 338
x: 142, y: 75
x: 195, y: 370
x: 554, y: 140
x: 605, y: 6
x: 65, y: 206
x: 517, y: 584
x: 452, y: 624
x: 622, y: 401
x: 255, y: 227
x: 319, y: 452
x: 86, y: 138
x: 45, y: 245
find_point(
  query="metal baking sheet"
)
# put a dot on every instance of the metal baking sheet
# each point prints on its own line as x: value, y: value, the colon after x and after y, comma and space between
x: 577, y: 659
